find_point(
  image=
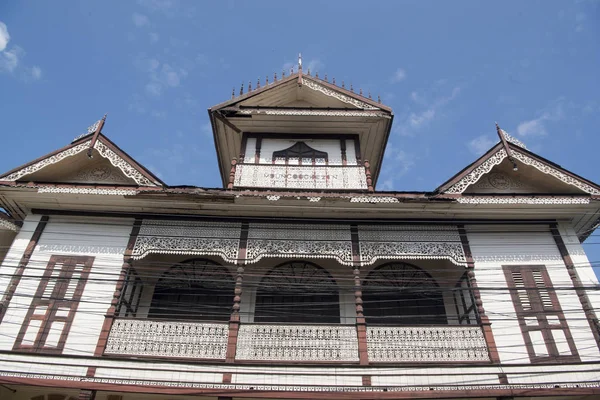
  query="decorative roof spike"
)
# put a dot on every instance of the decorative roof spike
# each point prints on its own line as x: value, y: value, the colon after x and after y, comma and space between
x: 242, y: 89
x: 504, y: 141
x: 370, y: 98
x: 379, y: 99
x: 308, y: 71
x: 361, y: 91
x: 326, y: 80
x: 333, y: 80
x: 267, y: 80
x: 292, y: 70
x: 299, y: 61
x: 343, y: 85
x: 275, y: 77
x: 283, y: 74
x: 258, y: 83
x: 249, y: 86
x: 351, y: 87
x: 233, y: 92
x: 317, y: 75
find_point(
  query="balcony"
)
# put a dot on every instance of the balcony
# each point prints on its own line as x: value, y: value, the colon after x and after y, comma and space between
x: 297, y: 342
x: 339, y: 177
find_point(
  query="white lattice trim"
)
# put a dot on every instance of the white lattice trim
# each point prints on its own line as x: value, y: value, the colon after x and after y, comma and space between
x: 188, y: 238
x: 513, y: 140
x: 297, y: 343
x: 337, y: 95
x: 299, y: 240
x: 129, y: 170
x: 426, y: 344
x: 373, y: 199
x: 47, y: 161
x: 477, y: 173
x: 6, y: 224
x: 337, y: 113
x: 547, y: 169
x: 522, y: 200
x: 113, y: 192
x: 168, y: 339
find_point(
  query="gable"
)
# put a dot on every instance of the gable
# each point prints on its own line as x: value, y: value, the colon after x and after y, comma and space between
x: 108, y: 166
x: 494, y: 174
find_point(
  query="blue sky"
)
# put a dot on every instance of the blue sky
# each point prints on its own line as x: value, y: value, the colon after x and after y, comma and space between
x: 448, y: 69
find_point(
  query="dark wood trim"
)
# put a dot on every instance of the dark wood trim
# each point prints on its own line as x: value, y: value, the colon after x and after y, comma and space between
x: 293, y: 136
x: 343, y: 152
x: 539, y: 312
x: 588, y: 309
x: 110, y: 315
x: 243, y: 148
x: 16, y: 278
x: 54, y: 301
x: 357, y: 151
x: 257, y: 148
x: 466, y: 393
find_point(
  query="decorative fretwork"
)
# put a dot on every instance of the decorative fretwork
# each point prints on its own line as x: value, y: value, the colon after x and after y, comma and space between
x: 297, y: 343
x: 426, y: 344
x: 513, y: 140
x: 299, y: 240
x: 189, y: 237
x: 374, y: 199
x: 168, y: 339
x: 99, y: 174
x: 301, y: 151
x: 410, y: 242
x: 9, y: 225
x: 547, y: 200
x: 478, y: 172
x: 337, y: 95
x: 319, y: 113
x: 129, y: 170
x: 91, y: 129
x: 300, y: 176
x: 500, y: 155
x: 75, y: 190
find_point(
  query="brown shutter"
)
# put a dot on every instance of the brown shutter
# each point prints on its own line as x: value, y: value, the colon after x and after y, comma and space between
x: 53, y: 307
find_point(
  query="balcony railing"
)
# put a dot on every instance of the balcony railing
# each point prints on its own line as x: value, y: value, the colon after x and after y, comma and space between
x: 297, y: 343
x: 426, y: 344
x: 351, y: 177
x: 168, y: 339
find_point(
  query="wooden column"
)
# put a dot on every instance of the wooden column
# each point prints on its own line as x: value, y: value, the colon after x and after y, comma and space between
x: 234, y: 319
x: 16, y: 278
x: 370, y: 187
x: 87, y: 395
x: 232, y: 174
x: 109, y: 317
x: 484, y: 320
x: 588, y: 309
x: 361, y: 325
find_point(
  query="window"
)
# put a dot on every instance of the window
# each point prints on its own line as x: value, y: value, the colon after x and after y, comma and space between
x: 402, y: 294
x: 194, y: 290
x: 466, y: 311
x: 542, y: 321
x: 297, y: 292
x: 131, y: 294
x: 53, y: 307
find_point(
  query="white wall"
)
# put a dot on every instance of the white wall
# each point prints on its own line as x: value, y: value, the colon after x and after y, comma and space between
x: 102, y: 238
x: 331, y: 146
x: 494, y: 246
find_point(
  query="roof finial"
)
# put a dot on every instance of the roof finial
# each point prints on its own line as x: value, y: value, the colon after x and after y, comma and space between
x: 317, y: 75
x: 300, y: 61
x: 308, y: 71
x: 249, y: 86
x: 370, y: 98
x: 502, y: 136
x: 267, y: 80
x: 283, y: 74
x: 361, y: 91
x: 343, y: 85
x: 326, y: 80
x: 97, y: 130
x: 379, y: 99
x: 258, y: 83
x: 242, y: 89
x: 275, y: 77
x: 292, y: 70
x: 351, y: 87
x: 333, y: 80
x: 233, y: 92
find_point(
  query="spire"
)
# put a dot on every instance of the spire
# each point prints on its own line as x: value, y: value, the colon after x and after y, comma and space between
x: 299, y: 61
x: 98, y: 128
x: 502, y: 136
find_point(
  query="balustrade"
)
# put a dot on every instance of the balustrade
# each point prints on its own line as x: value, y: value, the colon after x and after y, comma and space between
x: 167, y: 339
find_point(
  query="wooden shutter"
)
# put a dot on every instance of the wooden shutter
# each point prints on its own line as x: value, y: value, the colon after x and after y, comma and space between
x: 53, y: 307
x: 540, y: 316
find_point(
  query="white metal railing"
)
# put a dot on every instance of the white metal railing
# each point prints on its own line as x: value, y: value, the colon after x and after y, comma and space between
x: 423, y: 343
x: 297, y: 343
x: 168, y: 339
x: 301, y: 176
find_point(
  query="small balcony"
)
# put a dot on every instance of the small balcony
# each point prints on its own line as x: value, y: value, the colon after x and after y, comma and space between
x: 338, y: 177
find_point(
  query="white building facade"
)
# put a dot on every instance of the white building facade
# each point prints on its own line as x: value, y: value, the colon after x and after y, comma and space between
x: 297, y: 279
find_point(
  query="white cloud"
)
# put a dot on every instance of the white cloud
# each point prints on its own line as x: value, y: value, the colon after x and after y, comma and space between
x: 36, y: 72
x: 140, y: 20
x: 399, y: 75
x: 9, y: 59
x: 481, y: 144
x: 154, y: 88
x: 416, y: 120
x: 537, y: 126
x: 4, y: 36
x: 397, y: 163
x: 160, y: 76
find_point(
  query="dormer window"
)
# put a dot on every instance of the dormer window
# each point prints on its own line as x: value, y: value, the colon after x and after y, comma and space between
x: 300, y: 154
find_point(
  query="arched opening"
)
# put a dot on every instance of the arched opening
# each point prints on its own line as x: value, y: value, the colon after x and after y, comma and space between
x: 195, y: 290
x: 402, y: 294
x: 297, y: 292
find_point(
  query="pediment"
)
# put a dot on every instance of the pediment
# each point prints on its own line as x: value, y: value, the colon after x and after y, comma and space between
x: 109, y: 165
x: 494, y: 173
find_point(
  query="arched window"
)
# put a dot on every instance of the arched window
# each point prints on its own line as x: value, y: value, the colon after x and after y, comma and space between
x: 402, y: 294
x: 297, y: 291
x: 195, y: 289
x: 303, y: 153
